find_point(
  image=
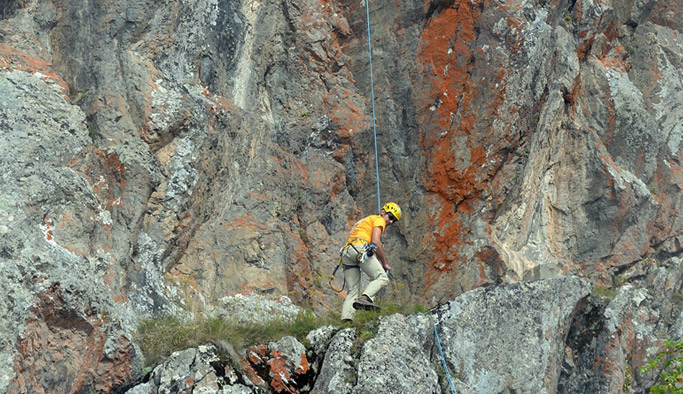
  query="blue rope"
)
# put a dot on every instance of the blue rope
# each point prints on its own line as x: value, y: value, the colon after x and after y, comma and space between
x: 372, y: 96
x: 443, y: 360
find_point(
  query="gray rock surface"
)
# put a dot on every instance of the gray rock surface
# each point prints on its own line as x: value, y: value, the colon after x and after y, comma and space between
x: 255, y: 308
x: 319, y: 339
x: 338, y: 373
x: 509, y: 338
x: 396, y: 361
x: 617, y: 332
x: 158, y: 157
x: 516, y: 337
x: 60, y: 317
x: 194, y: 370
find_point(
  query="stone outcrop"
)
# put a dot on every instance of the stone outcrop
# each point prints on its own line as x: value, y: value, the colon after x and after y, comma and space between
x: 337, y: 373
x: 64, y: 324
x: 617, y: 332
x: 397, y: 359
x: 158, y: 157
x: 550, y: 336
x: 196, y: 370
x: 554, y: 138
x: 509, y: 338
x: 281, y: 366
x: 255, y: 308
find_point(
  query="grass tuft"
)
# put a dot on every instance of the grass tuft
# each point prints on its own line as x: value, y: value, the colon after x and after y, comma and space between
x: 160, y: 337
x: 604, y: 293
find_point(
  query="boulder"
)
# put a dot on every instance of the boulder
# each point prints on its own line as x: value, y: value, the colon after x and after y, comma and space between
x: 397, y: 360
x: 194, y: 370
x: 338, y: 372
x: 509, y: 338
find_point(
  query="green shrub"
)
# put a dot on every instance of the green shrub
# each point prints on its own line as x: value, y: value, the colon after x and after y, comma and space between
x: 670, y: 360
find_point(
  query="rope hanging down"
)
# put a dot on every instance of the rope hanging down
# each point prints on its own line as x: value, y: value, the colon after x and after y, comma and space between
x: 443, y: 361
x: 372, y: 99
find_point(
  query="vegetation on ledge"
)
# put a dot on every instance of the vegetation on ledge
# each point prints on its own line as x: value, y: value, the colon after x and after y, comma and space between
x: 160, y: 337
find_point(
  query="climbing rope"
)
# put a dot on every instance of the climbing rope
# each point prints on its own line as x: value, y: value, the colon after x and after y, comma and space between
x: 443, y: 360
x: 372, y: 99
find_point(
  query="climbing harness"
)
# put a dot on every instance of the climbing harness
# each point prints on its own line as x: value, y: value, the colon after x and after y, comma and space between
x: 372, y: 99
x: 443, y: 361
x: 367, y: 250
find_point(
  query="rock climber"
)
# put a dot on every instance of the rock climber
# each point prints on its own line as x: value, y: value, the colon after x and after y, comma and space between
x: 364, y: 251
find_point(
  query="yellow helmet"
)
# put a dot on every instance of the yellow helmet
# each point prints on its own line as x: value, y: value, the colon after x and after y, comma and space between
x: 394, y: 209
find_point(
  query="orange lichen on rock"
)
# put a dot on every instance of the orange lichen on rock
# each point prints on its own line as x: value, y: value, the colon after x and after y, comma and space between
x: 583, y: 48
x: 251, y: 374
x: 270, y: 367
x: 303, y: 366
x: 110, y: 183
x: 279, y: 374
x: 613, y: 59
x: 656, y: 73
x: 244, y: 223
x: 47, y: 228
x: 299, y: 272
x: 14, y: 59
x: 345, y: 111
x: 668, y: 173
x: 455, y: 167
x: 255, y: 353
x: 59, y: 337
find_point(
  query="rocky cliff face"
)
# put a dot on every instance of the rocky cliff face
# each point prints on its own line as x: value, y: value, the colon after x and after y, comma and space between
x: 158, y: 156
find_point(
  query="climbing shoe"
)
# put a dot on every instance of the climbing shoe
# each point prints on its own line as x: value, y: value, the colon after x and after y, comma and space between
x: 364, y: 302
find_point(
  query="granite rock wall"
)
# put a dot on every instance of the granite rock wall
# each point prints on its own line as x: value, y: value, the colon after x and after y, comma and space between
x: 158, y: 157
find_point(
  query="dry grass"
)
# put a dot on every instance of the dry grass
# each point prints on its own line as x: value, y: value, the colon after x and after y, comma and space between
x: 158, y: 338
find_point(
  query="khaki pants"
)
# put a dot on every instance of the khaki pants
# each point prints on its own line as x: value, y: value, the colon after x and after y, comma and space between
x: 372, y: 268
